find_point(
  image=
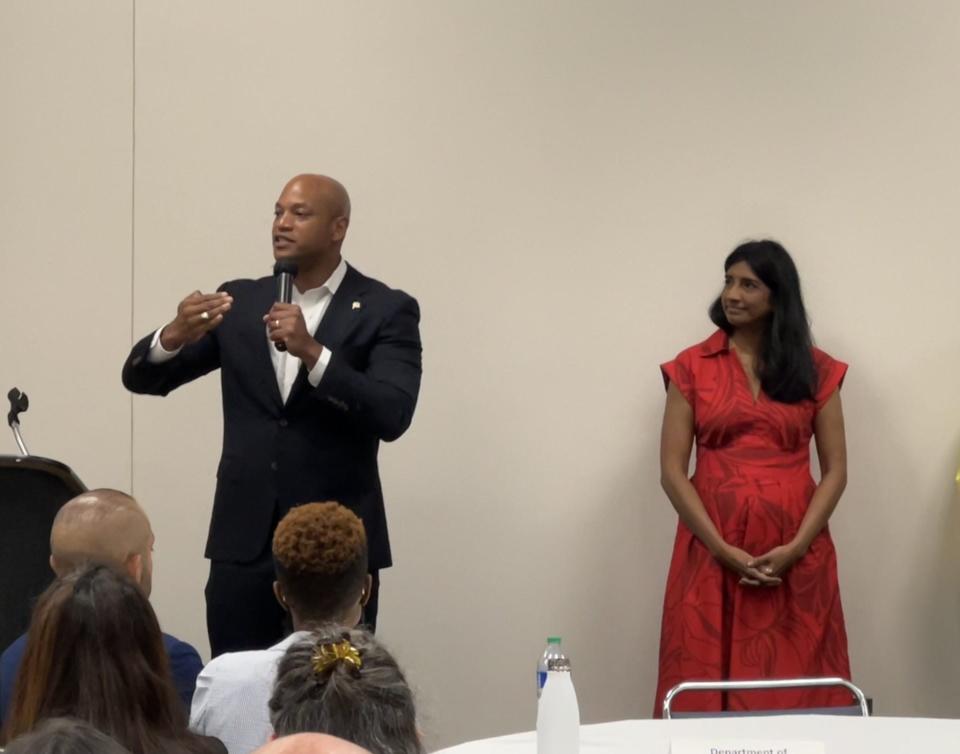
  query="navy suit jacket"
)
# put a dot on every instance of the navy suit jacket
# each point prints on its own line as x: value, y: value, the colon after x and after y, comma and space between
x: 185, y: 666
x: 322, y: 443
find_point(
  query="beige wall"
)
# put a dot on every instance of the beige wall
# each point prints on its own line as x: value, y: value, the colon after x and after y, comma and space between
x: 66, y: 100
x: 557, y: 182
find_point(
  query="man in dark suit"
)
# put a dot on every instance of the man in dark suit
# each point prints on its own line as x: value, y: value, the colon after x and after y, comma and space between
x: 300, y: 425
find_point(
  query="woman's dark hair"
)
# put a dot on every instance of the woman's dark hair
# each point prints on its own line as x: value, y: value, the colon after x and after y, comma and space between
x: 95, y: 653
x: 319, y: 690
x: 786, y: 369
x: 61, y: 735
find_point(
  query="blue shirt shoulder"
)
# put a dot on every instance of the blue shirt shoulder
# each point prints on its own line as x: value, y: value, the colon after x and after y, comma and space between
x: 185, y: 666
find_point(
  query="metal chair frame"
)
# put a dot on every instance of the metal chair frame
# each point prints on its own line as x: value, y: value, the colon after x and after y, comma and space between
x: 782, y: 683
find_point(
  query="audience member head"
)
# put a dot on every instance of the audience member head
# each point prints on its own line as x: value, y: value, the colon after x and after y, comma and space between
x: 103, y: 526
x: 62, y: 735
x: 310, y: 743
x: 95, y: 652
x: 343, y: 682
x: 320, y: 554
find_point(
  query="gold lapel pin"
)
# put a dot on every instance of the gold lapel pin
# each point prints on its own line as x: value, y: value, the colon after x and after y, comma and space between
x: 356, y: 305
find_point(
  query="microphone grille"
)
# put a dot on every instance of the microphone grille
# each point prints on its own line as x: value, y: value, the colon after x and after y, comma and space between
x: 289, y: 268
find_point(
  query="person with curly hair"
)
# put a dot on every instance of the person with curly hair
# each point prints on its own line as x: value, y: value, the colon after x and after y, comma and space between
x: 320, y: 557
x: 344, y: 683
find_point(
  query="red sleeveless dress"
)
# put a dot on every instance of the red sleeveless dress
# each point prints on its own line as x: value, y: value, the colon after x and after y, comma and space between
x: 753, y: 476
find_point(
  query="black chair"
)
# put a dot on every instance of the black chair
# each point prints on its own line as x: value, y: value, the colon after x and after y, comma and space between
x: 32, y: 489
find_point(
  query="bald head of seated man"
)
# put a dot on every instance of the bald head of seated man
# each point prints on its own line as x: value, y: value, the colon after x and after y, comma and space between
x: 103, y: 526
x: 310, y: 743
x: 106, y: 527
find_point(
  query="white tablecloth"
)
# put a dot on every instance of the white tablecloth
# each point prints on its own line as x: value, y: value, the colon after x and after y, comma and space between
x: 840, y: 735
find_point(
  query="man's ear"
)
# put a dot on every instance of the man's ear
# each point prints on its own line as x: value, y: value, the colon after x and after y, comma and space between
x: 134, y: 566
x: 53, y: 565
x: 278, y: 593
x: 367, y: 590
x: 340, y: 228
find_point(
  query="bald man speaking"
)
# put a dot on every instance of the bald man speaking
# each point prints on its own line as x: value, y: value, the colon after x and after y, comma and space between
x: 300, y: 425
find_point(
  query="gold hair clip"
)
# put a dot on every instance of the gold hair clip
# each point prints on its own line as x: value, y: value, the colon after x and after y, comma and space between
x: 327, y: 655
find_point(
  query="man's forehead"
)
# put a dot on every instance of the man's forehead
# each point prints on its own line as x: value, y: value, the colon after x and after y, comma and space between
x: 293, y: 203
x: 319, y: 192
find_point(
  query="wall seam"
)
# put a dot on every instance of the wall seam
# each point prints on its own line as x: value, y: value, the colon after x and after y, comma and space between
x: 133, y: 201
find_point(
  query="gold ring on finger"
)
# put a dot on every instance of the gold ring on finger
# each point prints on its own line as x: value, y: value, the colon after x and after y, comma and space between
x: 276, y: 323
x: 205, y: 315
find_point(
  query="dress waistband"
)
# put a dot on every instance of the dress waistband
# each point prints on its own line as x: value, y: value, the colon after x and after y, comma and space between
x: 758, y: 462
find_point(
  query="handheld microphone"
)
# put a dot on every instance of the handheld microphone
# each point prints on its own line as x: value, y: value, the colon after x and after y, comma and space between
x: 284, y: 273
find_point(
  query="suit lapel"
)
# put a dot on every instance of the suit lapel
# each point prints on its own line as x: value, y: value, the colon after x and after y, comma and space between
x: 335, y: 322
x: 263, y: 361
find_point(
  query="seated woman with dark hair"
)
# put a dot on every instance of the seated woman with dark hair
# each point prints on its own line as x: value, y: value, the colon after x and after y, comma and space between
x: 62, y: 735
x: 343, y: 682
x: 95, y: 652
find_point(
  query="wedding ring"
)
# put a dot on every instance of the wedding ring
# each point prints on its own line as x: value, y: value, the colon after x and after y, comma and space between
x: 204, y: 315
x: 276, y: 323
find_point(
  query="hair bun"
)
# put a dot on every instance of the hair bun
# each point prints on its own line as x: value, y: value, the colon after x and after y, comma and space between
x: 325, y: 656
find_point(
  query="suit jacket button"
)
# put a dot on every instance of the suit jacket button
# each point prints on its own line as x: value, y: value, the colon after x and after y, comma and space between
x: 274, y: 465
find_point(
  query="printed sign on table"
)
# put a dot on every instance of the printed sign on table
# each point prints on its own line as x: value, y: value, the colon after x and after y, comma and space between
x: 738, y: 746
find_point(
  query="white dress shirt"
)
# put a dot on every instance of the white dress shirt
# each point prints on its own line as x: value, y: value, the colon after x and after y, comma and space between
x: 233, y: 690
x: 313, y: 303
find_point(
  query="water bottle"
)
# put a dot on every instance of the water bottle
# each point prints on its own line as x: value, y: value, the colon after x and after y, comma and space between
x: 558, y: 715
x: 552, y: 651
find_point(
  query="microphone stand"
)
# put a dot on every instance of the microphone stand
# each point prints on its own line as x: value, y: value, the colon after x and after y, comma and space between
x: 18, y: 404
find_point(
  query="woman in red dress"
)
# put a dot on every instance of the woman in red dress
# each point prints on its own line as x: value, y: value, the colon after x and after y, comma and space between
x: 752, y: 590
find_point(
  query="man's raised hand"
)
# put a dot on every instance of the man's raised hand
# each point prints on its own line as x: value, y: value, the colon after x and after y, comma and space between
x: 197, y: 315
